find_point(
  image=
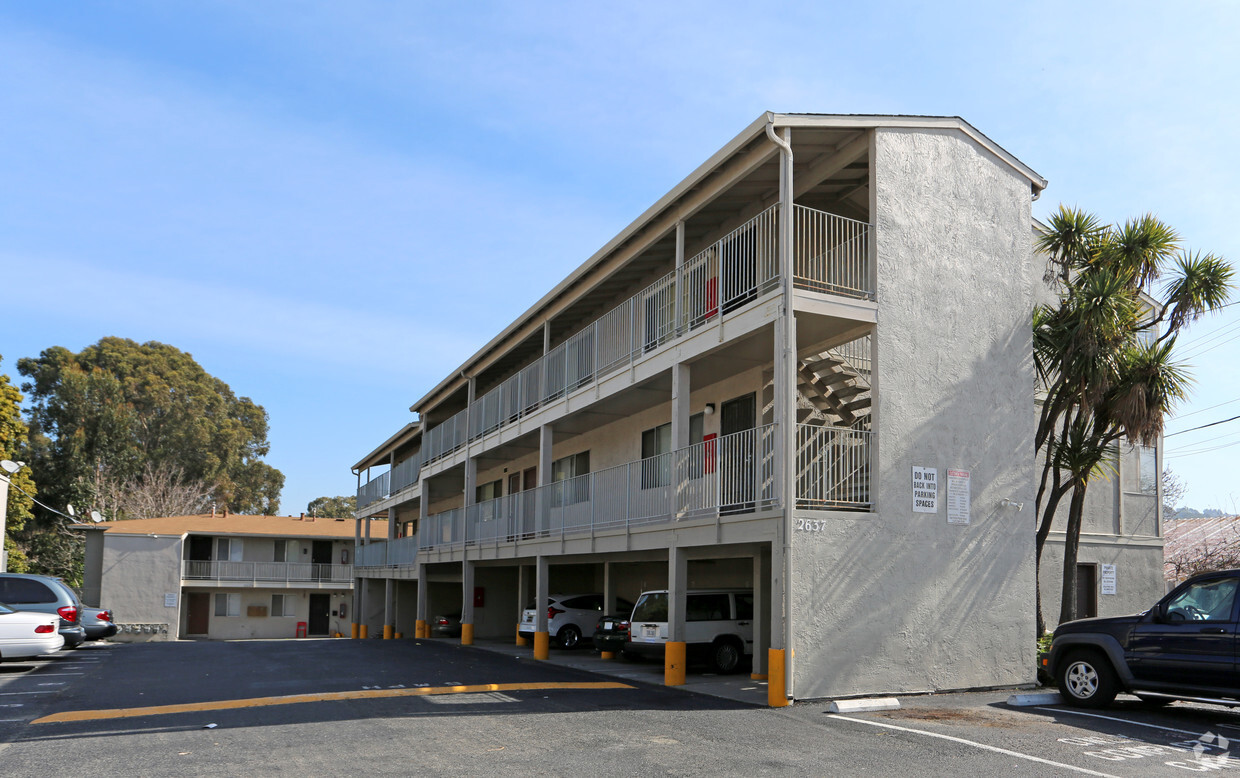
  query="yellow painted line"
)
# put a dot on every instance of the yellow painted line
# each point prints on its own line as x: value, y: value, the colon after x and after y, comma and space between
x: 293, y: 699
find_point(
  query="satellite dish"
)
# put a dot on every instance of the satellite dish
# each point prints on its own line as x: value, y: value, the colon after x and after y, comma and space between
x: 70, y: 510
x: 9, y: 466
x: 96, y: 517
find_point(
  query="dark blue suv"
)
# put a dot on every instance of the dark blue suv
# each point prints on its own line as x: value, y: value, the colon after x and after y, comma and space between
x: 1183, y: 648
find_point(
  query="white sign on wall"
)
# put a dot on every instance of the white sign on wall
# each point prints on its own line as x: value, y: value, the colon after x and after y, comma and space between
x: 1107, y: 584
x: 925, y: 489
x: 958, y: 496
x: 170, y: 599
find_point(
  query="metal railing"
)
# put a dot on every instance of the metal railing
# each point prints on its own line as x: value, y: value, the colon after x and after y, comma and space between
x: 732, y: 474
x: 831, y: 254
x: 406, y: 473
x: 373, y: 490
x: 387, y: 553
x: 833, y: 468
x: 288, y: 572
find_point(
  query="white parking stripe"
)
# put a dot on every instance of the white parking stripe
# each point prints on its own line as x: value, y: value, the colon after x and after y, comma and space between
x: 14, y: 694
x: 1122, y: 721
x: 981, y: 746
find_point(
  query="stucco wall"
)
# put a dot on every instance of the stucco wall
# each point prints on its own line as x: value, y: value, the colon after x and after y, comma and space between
x: 1138, y: 574
x: 246, y: 626
x: 900, y: 601
x: 138, y: 572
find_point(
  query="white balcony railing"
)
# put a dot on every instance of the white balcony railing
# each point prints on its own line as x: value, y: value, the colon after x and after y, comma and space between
x: 831, y: 256
x: 373, y: 490
x: 833, y: 468
x: 266, y: 572
x: 733, y: 474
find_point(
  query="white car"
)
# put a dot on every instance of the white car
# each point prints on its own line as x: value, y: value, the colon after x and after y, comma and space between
x: 27, y: 634
x: 569, y: 617
x: 718, y: 626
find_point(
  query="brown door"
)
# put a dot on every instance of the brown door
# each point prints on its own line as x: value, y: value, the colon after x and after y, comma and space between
x: 1086, y: 591
x: 199, y: 619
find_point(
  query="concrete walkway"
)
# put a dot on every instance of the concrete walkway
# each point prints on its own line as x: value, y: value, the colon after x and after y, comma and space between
x: 739, y: 687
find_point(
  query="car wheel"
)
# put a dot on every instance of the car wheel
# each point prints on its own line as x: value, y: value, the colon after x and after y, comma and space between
x: 569, y: 636
x: 1086, y: 680
x: 726, y: 655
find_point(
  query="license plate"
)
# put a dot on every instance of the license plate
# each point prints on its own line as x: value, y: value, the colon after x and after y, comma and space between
x: 650, y: 630
x: 608, y: 625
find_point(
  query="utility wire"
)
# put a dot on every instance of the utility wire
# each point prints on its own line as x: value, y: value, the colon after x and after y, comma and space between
x: 1179, y: 416
x: 1203, y: 426
x: 35, y: 500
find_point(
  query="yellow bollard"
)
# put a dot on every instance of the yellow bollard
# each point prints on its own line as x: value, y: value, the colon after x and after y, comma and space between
x: 420, y: 630
x: 388, y: 631
x: 399, y: 635
x: 607, y: 654
x: 776, y: 692
x: 362, y: 631
x: 757, y: 676
x: 520, y: 640
x: 467, y: 634
x: 355, y: 630
x: 542, y: 645
x: 674, y: 664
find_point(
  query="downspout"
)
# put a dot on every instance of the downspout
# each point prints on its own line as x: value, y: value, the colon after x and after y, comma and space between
x: 789, y: 355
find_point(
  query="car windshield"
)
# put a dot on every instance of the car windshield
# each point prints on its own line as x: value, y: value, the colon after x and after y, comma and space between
x: 651, y: 607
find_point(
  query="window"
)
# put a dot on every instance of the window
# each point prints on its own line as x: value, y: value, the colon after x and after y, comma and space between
x: 228, y: 605
x: 283, y: 605
x: 281, y: 551
x: 1204, y: 601
x: 1147, y: 459
x: 707, y: 607
x: 570, y: 469
x: 229, y: 549
x: 24, y: 591
x: 484, y: 492
x: 656, y: 456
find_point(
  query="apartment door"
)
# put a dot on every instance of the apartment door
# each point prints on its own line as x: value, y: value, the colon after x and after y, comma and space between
x: 198, y: 621
x: 321, y: 557
x: 1086, y: 591
x: 320, y: 606
x: 736, y: 454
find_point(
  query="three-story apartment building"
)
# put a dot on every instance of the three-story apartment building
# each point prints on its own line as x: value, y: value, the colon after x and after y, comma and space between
x: 804, y: 371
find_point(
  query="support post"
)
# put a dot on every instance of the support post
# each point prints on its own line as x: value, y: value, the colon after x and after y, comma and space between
x: 674, y: 654
x: 422, y: 630
x: 542, y: 640
x: 467, y: 602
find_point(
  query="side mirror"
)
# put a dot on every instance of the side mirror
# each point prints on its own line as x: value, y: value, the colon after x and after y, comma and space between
x: 1159, y: 613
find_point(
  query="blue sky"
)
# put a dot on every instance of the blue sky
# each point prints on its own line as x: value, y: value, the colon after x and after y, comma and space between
x: 330, y: 205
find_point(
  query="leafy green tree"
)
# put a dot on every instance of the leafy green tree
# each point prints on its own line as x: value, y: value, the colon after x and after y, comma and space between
x: 1104, y: 355
x: 107, y: 413
x: 332, y: 507
x: 13, y: 435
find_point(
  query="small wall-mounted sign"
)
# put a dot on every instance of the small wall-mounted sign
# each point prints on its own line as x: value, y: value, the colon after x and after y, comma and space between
x: 925, y: 489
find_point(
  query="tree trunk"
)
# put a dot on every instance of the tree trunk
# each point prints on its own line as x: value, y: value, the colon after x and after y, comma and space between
x: 1067, y: 602
x: 1039, y: 543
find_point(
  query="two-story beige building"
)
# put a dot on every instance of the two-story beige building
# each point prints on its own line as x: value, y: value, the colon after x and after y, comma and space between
x: 221, y: 576
x: 806, y: 371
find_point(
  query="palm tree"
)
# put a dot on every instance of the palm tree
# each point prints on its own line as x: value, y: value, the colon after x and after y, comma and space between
x: 1104, y: 355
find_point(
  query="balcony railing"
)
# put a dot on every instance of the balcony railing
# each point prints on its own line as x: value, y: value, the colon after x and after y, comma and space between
x: 266, y: 572
x: 384, y: 553
x: 373, y: 490
x: 831, y: 255
x: 833, y: 468
x: 733, y: 474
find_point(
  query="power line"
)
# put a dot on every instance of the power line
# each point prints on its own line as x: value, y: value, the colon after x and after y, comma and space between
x: 1203, y: 426
x: 1179, y: 416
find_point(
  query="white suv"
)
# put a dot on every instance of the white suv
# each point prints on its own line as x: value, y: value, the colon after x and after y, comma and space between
x: 718, y: 625
x: 569, y: 617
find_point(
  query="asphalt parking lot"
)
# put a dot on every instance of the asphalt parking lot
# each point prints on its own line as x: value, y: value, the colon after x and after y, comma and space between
x: 343, y: 707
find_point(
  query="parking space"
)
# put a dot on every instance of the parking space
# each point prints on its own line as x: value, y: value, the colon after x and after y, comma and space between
x: 30, y: 688
x: 1128, y: 739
